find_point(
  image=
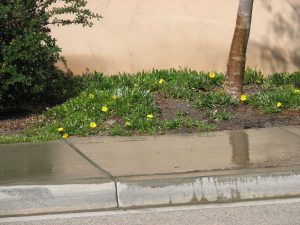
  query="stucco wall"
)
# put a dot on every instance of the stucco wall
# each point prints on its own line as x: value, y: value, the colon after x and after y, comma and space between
x: 137, y: 35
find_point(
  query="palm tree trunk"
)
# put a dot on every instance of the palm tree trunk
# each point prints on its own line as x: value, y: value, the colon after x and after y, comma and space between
x: 237, y: 56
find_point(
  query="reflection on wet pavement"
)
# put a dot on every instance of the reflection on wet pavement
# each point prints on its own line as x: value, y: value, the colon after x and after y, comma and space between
x: 240, y: 148
x: 43, y: 162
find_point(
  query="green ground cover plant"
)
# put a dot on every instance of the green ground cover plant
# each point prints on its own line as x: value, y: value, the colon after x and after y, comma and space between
x: 127, y: 104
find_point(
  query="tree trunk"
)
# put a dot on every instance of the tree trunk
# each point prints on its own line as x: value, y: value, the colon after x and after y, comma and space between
x: 237, y: 56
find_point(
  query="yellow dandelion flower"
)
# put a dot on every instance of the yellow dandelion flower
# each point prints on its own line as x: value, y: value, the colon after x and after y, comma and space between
x: 296, y: 91
x: 278, y: 104
x: 150, y: 116
x: 60, y: 129
x: 127, y: 124
x: 212, y: 75
x: 243, y: 98
x: 91, y: 96
x: 161, y: 81
x: 65, y: 136
x: 104, y: 109
x: 93, y: 125
x: 114, y: 97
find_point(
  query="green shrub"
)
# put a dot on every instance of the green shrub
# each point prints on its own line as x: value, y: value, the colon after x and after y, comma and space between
x: 28, y: 53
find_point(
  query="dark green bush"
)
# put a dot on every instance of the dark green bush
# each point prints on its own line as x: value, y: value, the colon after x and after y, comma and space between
x: 28, y: 53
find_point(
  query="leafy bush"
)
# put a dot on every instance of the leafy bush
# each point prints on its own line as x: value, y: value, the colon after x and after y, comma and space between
x: 28, y: 53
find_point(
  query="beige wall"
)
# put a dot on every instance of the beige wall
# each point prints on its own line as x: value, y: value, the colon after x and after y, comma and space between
x: 137, y: 35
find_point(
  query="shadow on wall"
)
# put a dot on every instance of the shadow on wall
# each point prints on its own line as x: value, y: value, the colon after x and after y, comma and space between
x: 74, y: 63
x: 285, y: 29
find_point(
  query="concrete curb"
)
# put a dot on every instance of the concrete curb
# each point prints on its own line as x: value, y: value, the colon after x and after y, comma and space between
x: 38, y: 199
x: 208, y: 189
x: 163, y: 191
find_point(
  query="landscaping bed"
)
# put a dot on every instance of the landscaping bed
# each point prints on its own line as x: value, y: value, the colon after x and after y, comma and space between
x: 161, y: 101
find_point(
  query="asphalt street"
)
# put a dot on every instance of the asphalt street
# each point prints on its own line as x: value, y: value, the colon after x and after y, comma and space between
x: 270, y: 212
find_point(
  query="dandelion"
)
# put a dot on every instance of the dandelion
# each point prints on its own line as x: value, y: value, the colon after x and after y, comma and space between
x: 127, y: 124
x: 114, y: 97
x: 278, y: 104
x: 93, y: 125
x: 296, y: 91
x: 150, y: 116
x: 161, y: 81
x: 104, y: 109
x: 60, y: 129
x: 212, y: 75
x: 65, y: 136
x: 243, y: 98
x: 91, y: 96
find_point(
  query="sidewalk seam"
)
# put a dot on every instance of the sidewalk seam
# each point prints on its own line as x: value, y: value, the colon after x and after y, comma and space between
x: 97, y: 167
x: 89, y: 160
x: 290, y: 132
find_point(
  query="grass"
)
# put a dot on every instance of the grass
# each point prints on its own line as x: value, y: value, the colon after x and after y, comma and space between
x: 125, y: 104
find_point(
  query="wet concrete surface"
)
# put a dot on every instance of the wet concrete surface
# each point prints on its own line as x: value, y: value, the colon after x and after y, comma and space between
x: 45, y: 163
x: 100, y: 173
x: 261, y: 148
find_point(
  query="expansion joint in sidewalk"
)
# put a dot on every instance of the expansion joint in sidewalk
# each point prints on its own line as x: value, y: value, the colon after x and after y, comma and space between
x: 288, y: 131
x: 98, y: 167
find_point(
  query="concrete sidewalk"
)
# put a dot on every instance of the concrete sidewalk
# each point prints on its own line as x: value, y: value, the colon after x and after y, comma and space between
x: 101, y: 173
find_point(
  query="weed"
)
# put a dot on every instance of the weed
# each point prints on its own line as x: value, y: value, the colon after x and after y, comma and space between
x: 130, y: 99
x: 220, y: 115
x: 276, y: 100
x: 186, y: 122
x: 213, y: 99
x: 253, y: 76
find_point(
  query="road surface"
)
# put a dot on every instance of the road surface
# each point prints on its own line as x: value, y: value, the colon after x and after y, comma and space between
x: 271, y: 212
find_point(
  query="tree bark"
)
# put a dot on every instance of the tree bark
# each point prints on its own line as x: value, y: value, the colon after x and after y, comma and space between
x: 237, y: 57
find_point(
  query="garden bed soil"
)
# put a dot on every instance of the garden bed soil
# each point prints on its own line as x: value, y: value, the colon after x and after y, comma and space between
x: 244, y: 117
x: 12, y: 123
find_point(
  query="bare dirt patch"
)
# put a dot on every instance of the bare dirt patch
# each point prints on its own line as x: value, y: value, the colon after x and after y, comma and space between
x: 15, y: 122
x: 244, y: 117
